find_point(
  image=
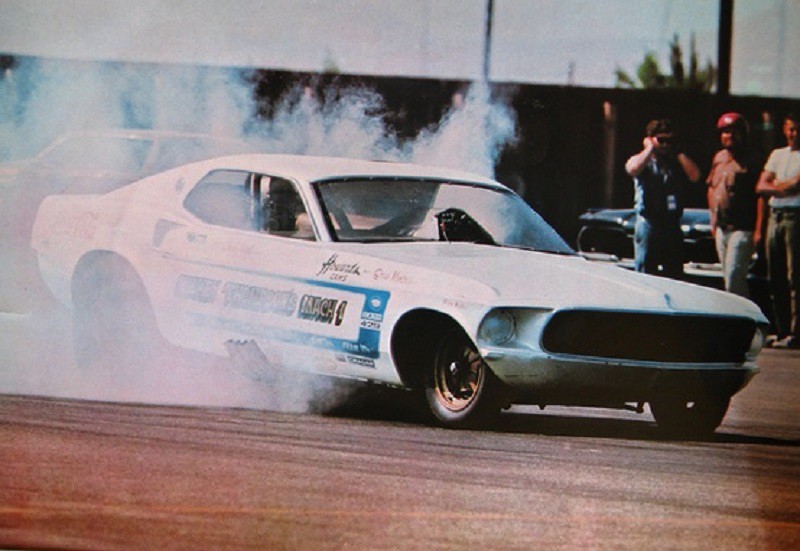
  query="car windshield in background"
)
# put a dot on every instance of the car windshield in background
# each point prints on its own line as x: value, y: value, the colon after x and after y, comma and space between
x: 175, y: 151
x: 98, y: 154
x: 430, y: 210
x: 137, y: 155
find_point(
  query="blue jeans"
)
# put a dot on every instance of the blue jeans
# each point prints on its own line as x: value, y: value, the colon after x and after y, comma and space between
x: 658, y: 248
x: 783, y: 262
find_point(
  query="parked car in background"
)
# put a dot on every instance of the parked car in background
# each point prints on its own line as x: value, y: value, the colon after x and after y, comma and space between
x: 610, y: 232
x: 439, y: 282
x: 92, y: 161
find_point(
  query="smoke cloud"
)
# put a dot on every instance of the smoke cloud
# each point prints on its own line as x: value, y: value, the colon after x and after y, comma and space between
x: 44, y: 99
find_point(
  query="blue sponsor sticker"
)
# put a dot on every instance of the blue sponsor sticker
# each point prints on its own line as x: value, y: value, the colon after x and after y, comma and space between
x: 308, y: 306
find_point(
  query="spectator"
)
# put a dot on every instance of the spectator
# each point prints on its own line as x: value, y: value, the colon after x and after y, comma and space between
x: 780, y: 181
x: 733, y: 202
x: 661, y: 173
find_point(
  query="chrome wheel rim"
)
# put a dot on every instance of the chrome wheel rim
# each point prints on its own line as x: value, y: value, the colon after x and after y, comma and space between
x: 460, y: 372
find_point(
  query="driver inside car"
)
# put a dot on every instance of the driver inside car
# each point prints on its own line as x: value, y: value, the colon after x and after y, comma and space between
x: 286, y: 215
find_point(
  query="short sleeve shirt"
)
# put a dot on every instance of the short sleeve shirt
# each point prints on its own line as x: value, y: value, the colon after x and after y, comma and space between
x: 784, y: 163
x: 733, y: 200
x: 659, y: 191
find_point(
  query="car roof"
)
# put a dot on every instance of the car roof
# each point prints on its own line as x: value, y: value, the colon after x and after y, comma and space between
x: 313, y: 168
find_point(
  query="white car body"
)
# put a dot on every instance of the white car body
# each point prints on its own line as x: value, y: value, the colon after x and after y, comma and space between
x: 88, y: 161
x: 348, y: 309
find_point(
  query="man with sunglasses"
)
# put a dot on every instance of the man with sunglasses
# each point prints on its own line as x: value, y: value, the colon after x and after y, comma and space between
x: 662, y: 174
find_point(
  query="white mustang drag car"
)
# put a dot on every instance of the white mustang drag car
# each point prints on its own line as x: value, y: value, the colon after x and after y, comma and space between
x: 433, y: 280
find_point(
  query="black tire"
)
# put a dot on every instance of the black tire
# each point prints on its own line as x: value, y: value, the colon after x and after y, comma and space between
x: 113, y: 321
x: 677, y: 417
x: 460, y: 389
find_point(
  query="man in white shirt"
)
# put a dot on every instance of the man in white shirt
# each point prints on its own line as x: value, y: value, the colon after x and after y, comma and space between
x: 780, y: 181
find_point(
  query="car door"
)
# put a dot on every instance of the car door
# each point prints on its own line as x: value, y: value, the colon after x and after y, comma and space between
x: 243, y: 269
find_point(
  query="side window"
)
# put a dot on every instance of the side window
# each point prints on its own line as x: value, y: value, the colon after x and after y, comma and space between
x: 248, y: 201
x: 284, y: 212
x: 224, y: 198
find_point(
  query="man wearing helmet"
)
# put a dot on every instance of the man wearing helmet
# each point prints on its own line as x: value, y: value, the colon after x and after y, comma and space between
x: 733, y: 202
x: 780, y: 181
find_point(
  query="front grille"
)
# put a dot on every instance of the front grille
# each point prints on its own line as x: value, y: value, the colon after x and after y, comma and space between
x: 649, y: 337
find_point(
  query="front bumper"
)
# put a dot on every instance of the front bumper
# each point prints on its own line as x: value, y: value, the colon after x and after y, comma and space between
x: 544, y: 379
x: 609, y: 358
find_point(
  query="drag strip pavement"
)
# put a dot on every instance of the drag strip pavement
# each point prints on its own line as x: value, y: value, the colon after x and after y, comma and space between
x: 87, y: 474
x: 82, y: 474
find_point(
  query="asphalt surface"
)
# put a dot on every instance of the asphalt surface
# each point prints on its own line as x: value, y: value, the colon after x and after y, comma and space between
x: 216, y: 461
x: 87, y: 474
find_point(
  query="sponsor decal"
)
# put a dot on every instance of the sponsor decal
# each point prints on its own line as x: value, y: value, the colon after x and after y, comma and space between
x: 374, y: 316
x: 322, y: 310
x: 361, y: 362
x: 361, y: 349
x: 197, y: 289
x: 338, y: 271
x: 393, y: 276
x: 371, y: 320
x: 260, y: 299
x: 313, y: 307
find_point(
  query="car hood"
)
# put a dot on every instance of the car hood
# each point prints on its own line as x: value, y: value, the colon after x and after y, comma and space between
x: 517, y: 277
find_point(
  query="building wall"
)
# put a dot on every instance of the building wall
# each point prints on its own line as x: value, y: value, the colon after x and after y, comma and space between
x: 562, y: 163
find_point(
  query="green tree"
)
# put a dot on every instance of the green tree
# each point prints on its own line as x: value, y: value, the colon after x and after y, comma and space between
x: 649, y: 75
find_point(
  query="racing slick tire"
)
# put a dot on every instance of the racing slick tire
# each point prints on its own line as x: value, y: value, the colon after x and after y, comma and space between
x: 677, y: 417
x: 460, y: 389
x: 114, y: 324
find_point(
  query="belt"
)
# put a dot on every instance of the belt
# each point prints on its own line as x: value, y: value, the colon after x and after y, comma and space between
x: 785, y: 210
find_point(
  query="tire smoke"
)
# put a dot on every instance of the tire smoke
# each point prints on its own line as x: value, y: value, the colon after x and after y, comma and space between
x: 48, y: 99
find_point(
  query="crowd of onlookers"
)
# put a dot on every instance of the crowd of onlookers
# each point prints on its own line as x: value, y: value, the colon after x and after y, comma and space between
x: 753, y: 206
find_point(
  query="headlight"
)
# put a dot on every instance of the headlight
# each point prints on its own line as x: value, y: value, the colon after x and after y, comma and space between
x: 756, y: 344
x: 497, y: 327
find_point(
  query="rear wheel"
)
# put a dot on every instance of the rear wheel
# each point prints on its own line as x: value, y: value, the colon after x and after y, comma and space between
x: 113, y: 320
x: 676, y: 416
x: 460, y: 389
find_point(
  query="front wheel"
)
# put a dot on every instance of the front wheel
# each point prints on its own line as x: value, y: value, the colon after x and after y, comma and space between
x: 678, y: 417
x: 460, y: 389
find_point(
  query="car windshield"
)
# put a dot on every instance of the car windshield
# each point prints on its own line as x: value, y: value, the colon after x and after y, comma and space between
x: 430, y: 210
